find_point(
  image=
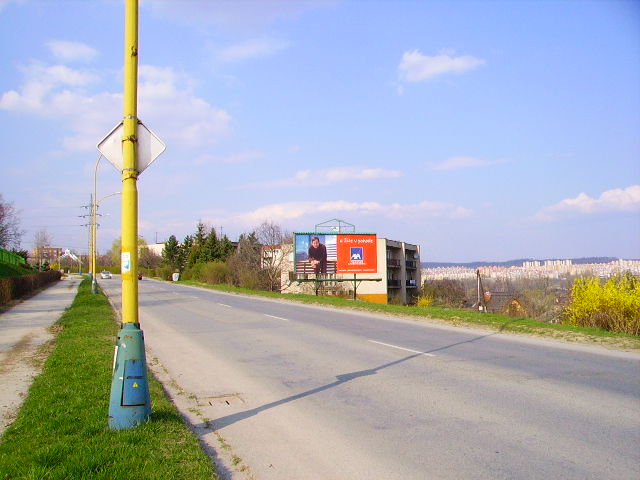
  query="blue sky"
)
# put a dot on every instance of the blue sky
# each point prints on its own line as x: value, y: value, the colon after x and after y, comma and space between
x: 481, y: 130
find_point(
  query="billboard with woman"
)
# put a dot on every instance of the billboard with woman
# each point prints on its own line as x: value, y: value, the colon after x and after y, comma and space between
x: 320, y: 253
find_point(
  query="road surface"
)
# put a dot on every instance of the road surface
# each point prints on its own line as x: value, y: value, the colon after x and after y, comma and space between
x: 306, y: 392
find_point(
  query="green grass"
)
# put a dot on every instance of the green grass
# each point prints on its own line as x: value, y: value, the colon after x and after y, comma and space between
x: 61, y: 432
x: 452, y: 316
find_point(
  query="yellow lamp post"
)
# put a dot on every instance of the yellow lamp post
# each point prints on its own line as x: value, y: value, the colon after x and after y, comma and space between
x: 130, y: 147
x: 129, y: 403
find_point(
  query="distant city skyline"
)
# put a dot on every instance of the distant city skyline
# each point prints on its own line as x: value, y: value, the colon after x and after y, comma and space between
x: 534, y: 270
x: 475, y: 129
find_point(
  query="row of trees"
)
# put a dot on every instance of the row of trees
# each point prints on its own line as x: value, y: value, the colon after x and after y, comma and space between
x: 202, y: 247
x: 204, y: 256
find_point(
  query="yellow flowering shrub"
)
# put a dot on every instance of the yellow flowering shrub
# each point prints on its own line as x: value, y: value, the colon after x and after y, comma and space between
x: 425, y: 301
x: 613, y: 305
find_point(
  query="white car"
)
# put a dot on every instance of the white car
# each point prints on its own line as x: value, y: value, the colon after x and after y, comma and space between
x: 105, y: 274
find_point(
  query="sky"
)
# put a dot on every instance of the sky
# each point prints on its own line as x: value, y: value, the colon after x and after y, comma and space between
x: 479, y: 130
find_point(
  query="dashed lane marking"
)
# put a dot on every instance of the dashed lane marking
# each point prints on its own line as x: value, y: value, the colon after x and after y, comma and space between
x: 403, y: 348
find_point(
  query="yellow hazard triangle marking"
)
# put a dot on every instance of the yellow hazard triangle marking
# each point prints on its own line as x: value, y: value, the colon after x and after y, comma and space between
x: 135, y: 385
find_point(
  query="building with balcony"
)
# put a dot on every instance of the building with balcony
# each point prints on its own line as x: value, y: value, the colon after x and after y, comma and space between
x: 402, y: 265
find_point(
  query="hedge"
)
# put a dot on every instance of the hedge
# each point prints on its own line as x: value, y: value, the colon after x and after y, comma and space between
x: 12, y: 288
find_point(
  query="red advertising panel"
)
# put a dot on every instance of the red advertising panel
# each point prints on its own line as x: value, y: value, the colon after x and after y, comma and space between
x: 357, y: 253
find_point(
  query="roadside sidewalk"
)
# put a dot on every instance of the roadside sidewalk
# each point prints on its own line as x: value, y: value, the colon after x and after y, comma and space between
x: 24, y: 329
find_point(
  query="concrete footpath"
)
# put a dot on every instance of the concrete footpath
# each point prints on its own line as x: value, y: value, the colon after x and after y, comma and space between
x: 24, y: 329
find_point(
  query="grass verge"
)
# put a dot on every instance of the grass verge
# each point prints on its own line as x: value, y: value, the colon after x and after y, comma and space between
x: 457, y: 317
x: 61, y: 430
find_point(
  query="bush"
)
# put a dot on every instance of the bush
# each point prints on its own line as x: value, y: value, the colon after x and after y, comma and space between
x: 215, y: 273
x: 194, y: 272
x: 613, y: 306
x: 164, y: 272
x: 16, y: 287
x: 424, y: 301
x: 542, y: 304
x: 445, y: 293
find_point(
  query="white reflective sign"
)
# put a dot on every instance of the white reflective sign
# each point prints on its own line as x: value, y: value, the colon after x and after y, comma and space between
x: 149, y: 147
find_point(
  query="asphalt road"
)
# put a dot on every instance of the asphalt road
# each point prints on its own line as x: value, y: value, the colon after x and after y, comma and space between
x: 308, y: 392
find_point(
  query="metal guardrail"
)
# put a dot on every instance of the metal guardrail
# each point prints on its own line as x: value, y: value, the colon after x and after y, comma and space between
x: 11, y: 258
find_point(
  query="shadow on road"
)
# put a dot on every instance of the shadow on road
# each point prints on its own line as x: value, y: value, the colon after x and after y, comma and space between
x: 340, y: 380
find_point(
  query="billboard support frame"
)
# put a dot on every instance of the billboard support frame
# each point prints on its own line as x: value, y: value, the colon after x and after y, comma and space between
x: 331, y: 227
x: 356, y: 282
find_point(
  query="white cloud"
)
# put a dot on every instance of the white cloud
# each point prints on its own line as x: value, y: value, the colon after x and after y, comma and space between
x: 72, y: 51
x: 616, y: 200
x: 315, y: 178
x: 167, y: 99
x: 166, y: 103
x: 455, y: 163
x: 416, y: 67
x: 288, y: 211
x: 257, y: 48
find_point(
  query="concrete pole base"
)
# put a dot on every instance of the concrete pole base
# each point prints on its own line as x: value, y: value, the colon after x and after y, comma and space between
x: 130, y: 403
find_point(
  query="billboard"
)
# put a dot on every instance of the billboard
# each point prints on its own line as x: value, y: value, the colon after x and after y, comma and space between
x: 321, y: 253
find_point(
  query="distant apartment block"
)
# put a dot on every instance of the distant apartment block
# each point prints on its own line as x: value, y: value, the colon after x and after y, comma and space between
x: 535, y: 269
x: 398, y: 272
x: 44, y: 254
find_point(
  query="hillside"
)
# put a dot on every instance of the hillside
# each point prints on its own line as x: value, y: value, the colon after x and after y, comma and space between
x: 7, y: 270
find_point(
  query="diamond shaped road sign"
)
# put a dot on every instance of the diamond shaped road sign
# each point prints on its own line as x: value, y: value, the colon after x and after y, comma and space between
x: 149, y: 147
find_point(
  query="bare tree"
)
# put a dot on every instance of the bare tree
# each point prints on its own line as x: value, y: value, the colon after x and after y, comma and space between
x: 148, y: 259
x: 276, y: 245
x: 41, y: 241
x: 245, y: 263
x: 10, y: 233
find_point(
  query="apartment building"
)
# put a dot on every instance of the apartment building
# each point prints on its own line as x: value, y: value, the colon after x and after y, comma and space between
x: 41, y: 255
x: 402, y: 268
x: 397, y: 280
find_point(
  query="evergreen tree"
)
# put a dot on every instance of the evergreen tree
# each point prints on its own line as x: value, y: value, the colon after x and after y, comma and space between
x: 225, y: 248
x: 195, y: 254
x: 185, y: 251
x: 171, y: 253
x: 209, y: 251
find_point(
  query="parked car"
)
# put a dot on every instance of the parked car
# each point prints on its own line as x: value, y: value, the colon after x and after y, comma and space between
x: 105, y: 274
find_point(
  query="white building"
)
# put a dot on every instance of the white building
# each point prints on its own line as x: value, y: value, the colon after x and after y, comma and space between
x: 156, y: 248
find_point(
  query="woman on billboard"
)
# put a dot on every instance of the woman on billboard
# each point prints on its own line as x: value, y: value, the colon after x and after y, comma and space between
x: 317, y: 256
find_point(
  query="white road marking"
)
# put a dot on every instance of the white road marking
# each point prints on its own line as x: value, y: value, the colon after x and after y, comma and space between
x: 225, y: 305
x: 273, y: 316
x: 403, y: 348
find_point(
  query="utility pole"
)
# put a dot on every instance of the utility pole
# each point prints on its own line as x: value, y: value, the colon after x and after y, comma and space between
x: 130, y: 404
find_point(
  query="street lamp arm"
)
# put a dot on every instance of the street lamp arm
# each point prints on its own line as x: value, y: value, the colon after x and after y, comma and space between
x: 107, y: 196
